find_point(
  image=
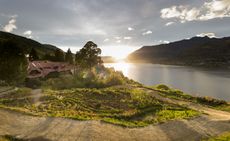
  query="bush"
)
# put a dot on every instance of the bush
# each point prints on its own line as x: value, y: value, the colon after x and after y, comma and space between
x: 114, y: 79
x: 210, y: 101
x: 162, y: 87
x: 9, y: 138
x: 33, y: 83
x: 88, y: 79
x: 3, y: 83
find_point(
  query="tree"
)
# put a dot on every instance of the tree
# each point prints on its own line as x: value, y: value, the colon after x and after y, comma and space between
x: 13, y: 63
x: 88, y: 56
x: 59, y: 55
x: 33, y: 55
x: 69, y: 57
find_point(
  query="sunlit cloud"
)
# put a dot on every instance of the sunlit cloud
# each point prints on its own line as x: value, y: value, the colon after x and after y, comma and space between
x: 209, y: 10
x: 216, y: 9
x: 130, y: 28
x: 28, y: 34
x: 11, y: 25
x: 210, y: 35
x: 169, y: 23
x: 180, y: 12
x: 164, y: 41
x: 127, y: 38
x: 147, y: 32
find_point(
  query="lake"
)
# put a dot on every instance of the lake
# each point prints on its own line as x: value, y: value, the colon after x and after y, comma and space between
x: 194, y: 81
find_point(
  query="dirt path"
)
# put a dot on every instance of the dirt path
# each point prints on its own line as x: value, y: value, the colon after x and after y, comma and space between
x: 60, y: 129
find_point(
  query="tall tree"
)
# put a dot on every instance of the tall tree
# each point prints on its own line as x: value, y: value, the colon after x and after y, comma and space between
x: 59, y: 55
x: 33, y: 55
x: 88, y: 56
x: 69, y: 57
x: 13, y: 63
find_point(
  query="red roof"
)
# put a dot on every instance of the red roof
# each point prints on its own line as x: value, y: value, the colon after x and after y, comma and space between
x: 43, y: 68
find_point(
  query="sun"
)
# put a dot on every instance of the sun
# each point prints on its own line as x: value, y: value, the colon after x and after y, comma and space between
x: 118, y: 52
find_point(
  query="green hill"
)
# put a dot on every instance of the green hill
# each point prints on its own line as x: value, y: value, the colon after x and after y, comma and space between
x: 197, y: 51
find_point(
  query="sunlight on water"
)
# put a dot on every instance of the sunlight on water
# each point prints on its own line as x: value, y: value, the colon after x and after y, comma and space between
x: 121, y: 66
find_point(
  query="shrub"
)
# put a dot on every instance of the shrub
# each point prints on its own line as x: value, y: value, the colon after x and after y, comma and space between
x: 114, y: 79
x: 210, y: 101
x: 94, y: 78
x: 3, y: 83
x: 33, y: 83
x: 162, y: 87
x: 10, y: 138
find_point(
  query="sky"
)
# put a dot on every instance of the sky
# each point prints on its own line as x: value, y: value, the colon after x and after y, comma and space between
x: 119, y: 26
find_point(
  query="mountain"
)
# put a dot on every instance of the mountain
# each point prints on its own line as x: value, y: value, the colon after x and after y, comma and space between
x: 197, y: 51
x: 108, y: 59
x: 27, y: 44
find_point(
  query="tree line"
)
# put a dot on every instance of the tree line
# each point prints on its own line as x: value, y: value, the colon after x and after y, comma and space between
x: 14, y: 62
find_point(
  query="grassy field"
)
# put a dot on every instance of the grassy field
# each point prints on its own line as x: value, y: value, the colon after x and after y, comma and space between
x: 130, y: 107
x: 177, y: 94
x: 223, y: 137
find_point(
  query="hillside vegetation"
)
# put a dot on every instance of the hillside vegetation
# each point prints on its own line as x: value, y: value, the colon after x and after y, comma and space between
x: 121, y: 105
x: 27, y: 44
x: 197, y: 51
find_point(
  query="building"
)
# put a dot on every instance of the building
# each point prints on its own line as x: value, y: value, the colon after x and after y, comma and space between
x: 40, y: 69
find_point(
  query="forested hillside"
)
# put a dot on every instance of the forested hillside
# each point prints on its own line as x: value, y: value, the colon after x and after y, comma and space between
x: 197, y: 51
x: 27, y: 44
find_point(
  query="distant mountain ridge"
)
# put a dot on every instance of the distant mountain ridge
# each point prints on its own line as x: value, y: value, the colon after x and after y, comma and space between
x: 27, y: 44
x: 197, y: 51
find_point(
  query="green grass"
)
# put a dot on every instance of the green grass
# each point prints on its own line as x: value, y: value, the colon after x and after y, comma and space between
x: 9, y: 138
x: 179, y: 95
x: 130, y: 107
x: 223, y: 137
x: 20, y: 92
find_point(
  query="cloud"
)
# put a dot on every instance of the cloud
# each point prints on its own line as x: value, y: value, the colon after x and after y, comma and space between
x: 127, y: 38
x: 11, y: 25
x: 216, y: 9
x: 209, y: 34
x: 169, y: 23
x: 130, y: 28
x: 147, y: 32
x: 171, y: 12
x: 180, y: 12
x: 106, y: 40
x: 209, y: 10
x: 164, y: 41
x: 118, y: 41
x: 117, y: 37
x: 28, y: 34
x: 82, y: 20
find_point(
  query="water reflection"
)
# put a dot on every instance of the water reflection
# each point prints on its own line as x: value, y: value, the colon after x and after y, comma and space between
x: 121, y: 66
x: 215, y: 83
